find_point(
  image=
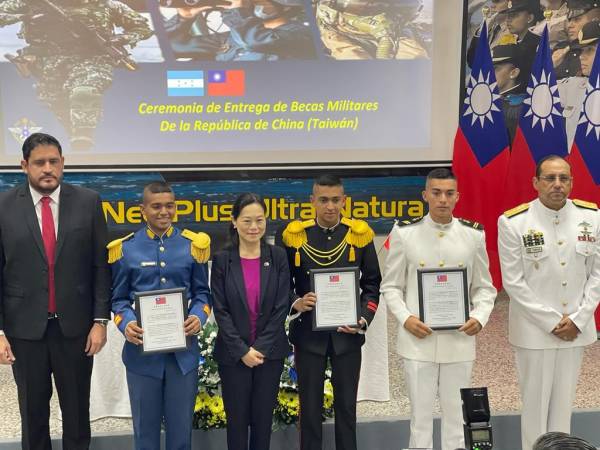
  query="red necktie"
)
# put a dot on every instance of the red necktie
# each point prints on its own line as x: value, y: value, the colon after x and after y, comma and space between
x: 49, y: 237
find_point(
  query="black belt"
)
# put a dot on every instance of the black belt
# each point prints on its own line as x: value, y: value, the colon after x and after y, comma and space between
x: 52, y: 316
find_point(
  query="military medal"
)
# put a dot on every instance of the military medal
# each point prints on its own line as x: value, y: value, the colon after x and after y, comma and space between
x: 585, y: 235
x: 533, y: 241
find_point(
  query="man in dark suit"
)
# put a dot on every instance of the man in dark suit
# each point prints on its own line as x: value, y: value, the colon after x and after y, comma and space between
x: 329, y: 241
x: 54, y: 295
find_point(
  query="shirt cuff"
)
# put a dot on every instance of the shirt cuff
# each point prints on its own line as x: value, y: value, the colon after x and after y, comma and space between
x: 293, y: 314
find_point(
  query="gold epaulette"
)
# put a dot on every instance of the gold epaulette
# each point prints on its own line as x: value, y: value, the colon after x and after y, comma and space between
x: 412, y: 221
x: 200, y: 246
x: 584, y: 204
x: 115, y: 249
x: 507, y: 39
x: 294, y: 236
x: 359, y: 235
x: 471, y: 224
x: 516, y: 210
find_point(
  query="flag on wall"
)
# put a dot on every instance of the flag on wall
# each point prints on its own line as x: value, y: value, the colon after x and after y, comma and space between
x: 585, y: 154
x: 541, y: 130
x: 481, y: 152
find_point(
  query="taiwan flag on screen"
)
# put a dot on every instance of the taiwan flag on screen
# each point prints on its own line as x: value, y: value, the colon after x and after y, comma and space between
x: 229, y: 83
x: 334, y: 278
x: 161, y: 300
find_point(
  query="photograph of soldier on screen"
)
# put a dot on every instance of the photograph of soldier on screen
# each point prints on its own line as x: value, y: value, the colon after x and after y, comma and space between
x: 238, y: 30
x: 70, y: 48
x: 515, y: 27
x: 375, y: 29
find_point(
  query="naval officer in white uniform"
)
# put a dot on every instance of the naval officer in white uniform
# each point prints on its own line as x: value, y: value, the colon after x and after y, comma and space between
x: 550, y: 270
x: 437, y: 362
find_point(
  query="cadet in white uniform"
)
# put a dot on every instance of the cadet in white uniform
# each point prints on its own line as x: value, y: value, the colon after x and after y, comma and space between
x: 548, y: 253
x: 437, y: 361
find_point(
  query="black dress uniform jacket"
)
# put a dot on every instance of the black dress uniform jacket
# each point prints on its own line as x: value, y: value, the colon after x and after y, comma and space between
x: 324, y: 239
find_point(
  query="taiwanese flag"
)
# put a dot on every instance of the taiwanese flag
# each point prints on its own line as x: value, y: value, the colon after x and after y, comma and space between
x: 541, y: 130
x: 230, y: 83
x: 481, y: 153
x: 585, y: 153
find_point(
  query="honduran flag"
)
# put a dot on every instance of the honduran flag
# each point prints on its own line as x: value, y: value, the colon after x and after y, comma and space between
x: 481, y: 152
x: 541, y: 130
x: 585, y: 153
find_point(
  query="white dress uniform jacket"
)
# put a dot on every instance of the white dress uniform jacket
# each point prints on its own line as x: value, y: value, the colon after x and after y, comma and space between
x: 427, y: 244
x: 550, y: 267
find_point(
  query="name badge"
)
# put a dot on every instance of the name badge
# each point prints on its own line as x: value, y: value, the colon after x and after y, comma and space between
x: 148, y: 263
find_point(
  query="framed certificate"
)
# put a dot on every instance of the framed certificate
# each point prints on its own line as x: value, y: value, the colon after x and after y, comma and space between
x: 443, y: 297
x: 161, y: 314
x: 338, y: 297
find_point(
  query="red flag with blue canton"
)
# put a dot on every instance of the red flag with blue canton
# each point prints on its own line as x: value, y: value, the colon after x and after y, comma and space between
x: 541, y: 130
x: 585, y: 154
x: 481, y: 152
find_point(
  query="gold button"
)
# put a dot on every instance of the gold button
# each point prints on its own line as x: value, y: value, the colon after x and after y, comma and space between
x: 163, y: 280
x: 442, y: 263
x: 441, y: 234
x: 565, y: 303
x: 564, y: 283
x: 163, y: 264
x: 536, y: 265
x: 161, y: 248
x: 328, y: 238
x: 557, y: 221
x: 422, y: 263
x: 560, y: 242
x: 562, y: 263
x: 460, y: 264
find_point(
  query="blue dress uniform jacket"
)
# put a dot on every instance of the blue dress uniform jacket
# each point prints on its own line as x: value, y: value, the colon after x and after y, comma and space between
x: 150, y: 263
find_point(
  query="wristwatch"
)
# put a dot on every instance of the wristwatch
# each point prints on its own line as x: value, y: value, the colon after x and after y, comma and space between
x: 102, y: 322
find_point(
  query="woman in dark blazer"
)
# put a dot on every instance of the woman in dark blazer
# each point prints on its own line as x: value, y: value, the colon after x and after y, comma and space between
x: 250, y: 282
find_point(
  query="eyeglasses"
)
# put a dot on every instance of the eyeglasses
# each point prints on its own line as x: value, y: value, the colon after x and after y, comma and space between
x: 563, y: 179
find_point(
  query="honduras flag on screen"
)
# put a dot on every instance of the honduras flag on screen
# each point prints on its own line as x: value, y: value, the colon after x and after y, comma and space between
x: 185, y: 83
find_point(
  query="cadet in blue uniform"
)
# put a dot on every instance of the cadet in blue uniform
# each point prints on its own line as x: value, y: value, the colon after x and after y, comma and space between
x: 159, y: 256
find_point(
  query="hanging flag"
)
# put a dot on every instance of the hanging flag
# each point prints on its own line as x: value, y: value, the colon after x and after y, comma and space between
x: 541, y: 130
x: 481, y: 152
x: 585, y: 156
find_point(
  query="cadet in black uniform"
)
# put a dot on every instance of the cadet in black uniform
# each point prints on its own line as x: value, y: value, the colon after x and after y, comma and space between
x: 329, y: 241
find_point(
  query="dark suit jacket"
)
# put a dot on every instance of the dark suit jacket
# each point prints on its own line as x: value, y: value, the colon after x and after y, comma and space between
x: 82, y: 276
x: 231, y: 308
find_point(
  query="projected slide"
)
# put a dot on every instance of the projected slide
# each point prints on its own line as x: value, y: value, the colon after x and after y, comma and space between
x: 195, y: 82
